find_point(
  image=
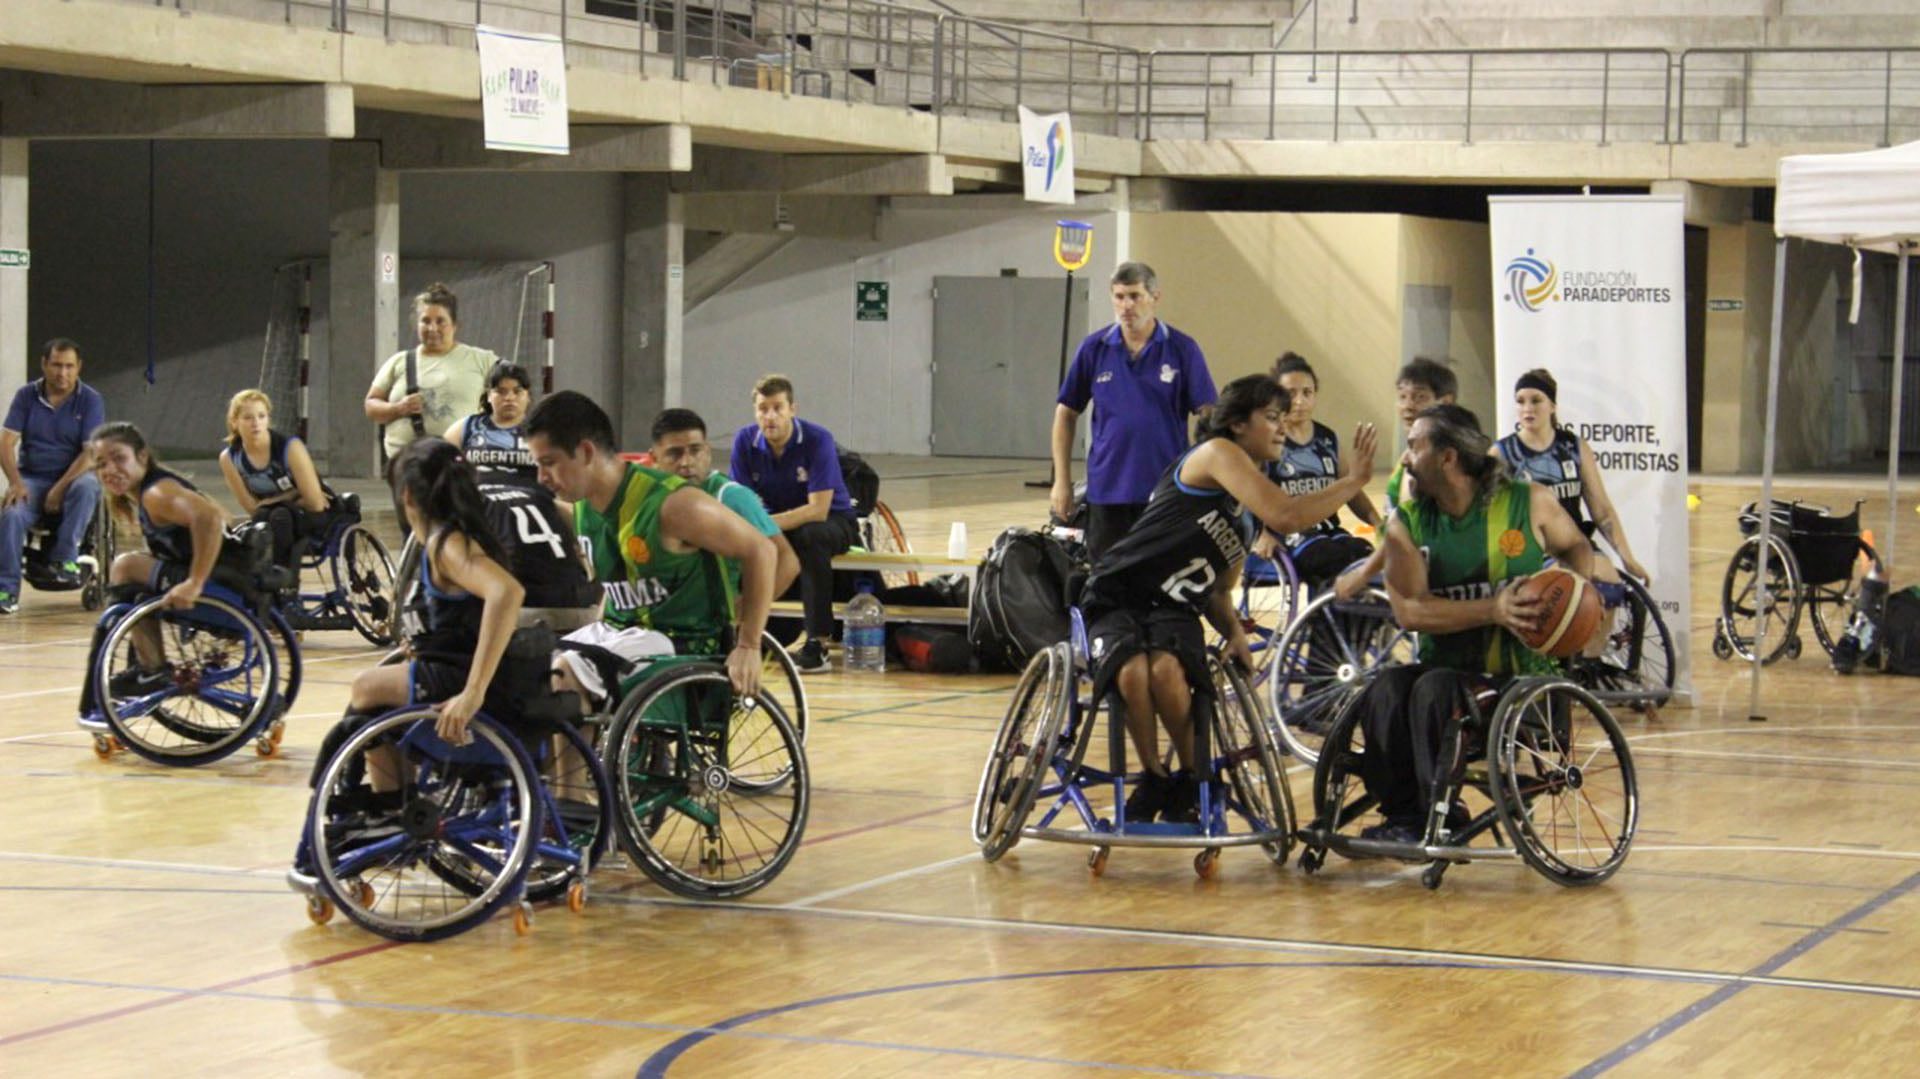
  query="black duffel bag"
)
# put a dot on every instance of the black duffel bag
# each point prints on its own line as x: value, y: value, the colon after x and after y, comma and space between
x: 1020, y: 598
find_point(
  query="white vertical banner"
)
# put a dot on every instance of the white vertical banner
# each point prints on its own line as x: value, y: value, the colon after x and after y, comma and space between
x: 523, y: 90
x: 1592, y: 288
x: 1046, y: 156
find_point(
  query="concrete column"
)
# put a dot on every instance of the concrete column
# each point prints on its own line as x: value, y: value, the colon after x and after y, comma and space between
x: 15, y: 350
x: 1739, y: 268
x: 363, y: 208
x: 652, y: 305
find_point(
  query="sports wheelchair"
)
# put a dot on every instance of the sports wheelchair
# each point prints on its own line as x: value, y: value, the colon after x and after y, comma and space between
x: 710, y: 790
x: 356, y: 578
x: 1039, y: 758
x: 1546, y: 766
x: 516, y: 816
x: 97, y: 548
x: 1815, y: 563
x: 220, y: 681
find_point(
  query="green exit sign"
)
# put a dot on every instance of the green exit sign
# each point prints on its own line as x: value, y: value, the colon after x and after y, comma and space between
x: 14, y: 258
x: 870, y: 301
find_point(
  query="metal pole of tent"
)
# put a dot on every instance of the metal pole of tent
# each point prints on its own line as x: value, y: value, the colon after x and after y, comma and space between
x: 1761, y: 599
x: 1893, y: 434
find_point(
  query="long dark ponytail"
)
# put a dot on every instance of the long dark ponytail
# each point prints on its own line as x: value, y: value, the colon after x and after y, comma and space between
x: 1451, y: 427
x: 442, y: 485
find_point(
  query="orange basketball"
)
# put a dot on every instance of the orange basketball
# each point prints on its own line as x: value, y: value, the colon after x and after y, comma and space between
x: 1570, y: 611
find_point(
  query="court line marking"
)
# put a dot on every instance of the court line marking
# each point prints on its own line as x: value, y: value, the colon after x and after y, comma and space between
x: 1772, y: 729
x: 1790, y: 758
x: 87, y: 734
x: 45, y: 644
x: 888, y: 878
x: 1847, y: 852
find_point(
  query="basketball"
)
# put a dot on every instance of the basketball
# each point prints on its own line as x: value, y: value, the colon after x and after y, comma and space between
x: 1570, y: 611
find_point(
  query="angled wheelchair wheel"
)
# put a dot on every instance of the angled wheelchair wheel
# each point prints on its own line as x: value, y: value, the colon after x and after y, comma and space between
x: 1562, y: 780
x: 779, y: 680
x: 697, y: 804
x: 1340, y: 798
x: 883, y: 535
x: 1269, y: 602
x: 215, y: 686
x: 363, y: 579
x: 1249, y: 760
x: 292, y: 668
x: 1324, y: 658
x: 1742, y: 612
x: 104, y: 541
x: 1023, y: 750
x: 1830, y: 603
x: 445, y: 851
x: 1636, y: 667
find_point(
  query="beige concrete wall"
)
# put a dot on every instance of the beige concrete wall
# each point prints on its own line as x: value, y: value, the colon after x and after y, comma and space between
x: 1739, y: 267
x: 1456, y: 254
x: 1249, y: 286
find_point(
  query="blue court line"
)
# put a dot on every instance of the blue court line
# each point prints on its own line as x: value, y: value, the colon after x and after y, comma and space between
x: 1727, y: 992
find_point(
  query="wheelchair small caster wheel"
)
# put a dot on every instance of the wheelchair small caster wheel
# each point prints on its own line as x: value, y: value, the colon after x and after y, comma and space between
x: 263, y: 746
x: 577, y: 897
x: 363, y: 894
x: 278, y: 732
x: 1722, y: 648
x: 1793, y: 647
x: 1097, y: 860
x: 104, y: 745
x: 1430, y: 876
x: 1207, y: 863
x: 90, y: 598
x: 1311, y: 860
x: 522, y: 919
x: 319, y: 909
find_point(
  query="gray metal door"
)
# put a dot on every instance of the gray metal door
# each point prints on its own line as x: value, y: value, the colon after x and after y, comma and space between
x: 996, y: 361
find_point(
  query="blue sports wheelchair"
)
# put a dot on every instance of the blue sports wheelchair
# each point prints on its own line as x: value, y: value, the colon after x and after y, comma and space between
x: 214, y: 676
x: 1039, y: 758
x: 355, y: 575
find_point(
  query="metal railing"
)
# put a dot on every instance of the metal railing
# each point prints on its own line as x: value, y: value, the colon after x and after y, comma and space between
x: 884, y: 53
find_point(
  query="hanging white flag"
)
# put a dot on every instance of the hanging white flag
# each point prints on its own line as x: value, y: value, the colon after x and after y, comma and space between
x: 523, y: 90
x: 1046, y: 156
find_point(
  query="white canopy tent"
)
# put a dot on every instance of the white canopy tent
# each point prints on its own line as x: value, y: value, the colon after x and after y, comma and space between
x: 1866, y: 201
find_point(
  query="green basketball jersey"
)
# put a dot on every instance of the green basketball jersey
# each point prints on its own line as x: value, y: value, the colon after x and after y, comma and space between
x: 683, y: 595
x: 1467, y: 558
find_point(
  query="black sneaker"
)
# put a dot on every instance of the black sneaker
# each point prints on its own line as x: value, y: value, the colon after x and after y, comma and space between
x: 138, y: 682
x: 1183, y: 799
x: 812, y: 658
x: 1148, y: 798
x: 1395, y: 831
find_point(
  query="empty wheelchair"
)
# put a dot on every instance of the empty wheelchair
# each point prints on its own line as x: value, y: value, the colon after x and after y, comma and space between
x: 1039, y: 759
x: 97, y: 548
x: 461, y: 832
x: 190, y: 687
x: 1815, y: 562
x: 355, y: 578
x: 1538, y: 770
x: 710, y: 790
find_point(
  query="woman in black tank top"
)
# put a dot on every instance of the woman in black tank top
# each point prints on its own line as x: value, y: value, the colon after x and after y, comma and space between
x: 1543, y: 451
x: 272, y: 476
x: 1181, y: 560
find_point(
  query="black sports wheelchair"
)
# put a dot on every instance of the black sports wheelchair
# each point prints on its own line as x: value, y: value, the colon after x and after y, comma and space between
x: 212, y: 677
x: 1815, y: 563
x: 96, y: 555
x: 354, y: 573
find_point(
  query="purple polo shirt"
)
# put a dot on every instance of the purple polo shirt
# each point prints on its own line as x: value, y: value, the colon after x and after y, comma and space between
x: 1140, y: 407
x: 811, y: 462
x: 50, y: 438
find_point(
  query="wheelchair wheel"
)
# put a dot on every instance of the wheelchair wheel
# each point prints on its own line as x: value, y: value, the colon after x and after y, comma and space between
x: 363, y: 579
x: 406, y: 580
x: 1637, y: 665
x: 292, y: 669
x: 1340, y: 798
x: 780, y: 680
x: 1562, y: 781
x: 1830, y: 603
x: 1023, y: 750
x: 216, y: 686
x: 882, y: 534
x: 1249, y: 760
x: 1269, y: 602
x: 697, y: 805
x: 1324, y: 658
x: 1740, y: 613
x: 452, y: 848
x: 576, y: 815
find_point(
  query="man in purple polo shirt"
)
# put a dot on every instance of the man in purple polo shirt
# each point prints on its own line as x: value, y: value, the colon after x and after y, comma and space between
x: 43, y: 451
x: 794, y: 467
x: 1145, y: 379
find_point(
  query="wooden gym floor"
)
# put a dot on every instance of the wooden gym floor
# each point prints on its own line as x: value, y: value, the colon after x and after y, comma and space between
x: 1767, y: 922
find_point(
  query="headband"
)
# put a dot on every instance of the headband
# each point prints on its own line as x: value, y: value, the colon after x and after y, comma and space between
x: 1531, y: 381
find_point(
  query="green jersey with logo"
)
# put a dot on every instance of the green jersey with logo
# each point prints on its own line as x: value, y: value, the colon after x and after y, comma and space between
x: 684, y: 595
x: 1467, y: 558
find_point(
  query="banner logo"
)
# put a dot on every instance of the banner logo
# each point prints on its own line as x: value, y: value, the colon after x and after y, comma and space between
x: 1046, y: 156
x: 1056, y: 142
x: 1531, y: 281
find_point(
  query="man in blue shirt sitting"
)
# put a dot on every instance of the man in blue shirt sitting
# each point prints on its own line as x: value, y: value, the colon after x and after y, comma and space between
x: 43, y: 451
x: 794, y: 466
x: 1144, y: 379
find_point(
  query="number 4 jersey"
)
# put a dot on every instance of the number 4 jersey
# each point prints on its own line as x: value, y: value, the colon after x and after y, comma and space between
x: 1188, y: 538
x: 541, y: 552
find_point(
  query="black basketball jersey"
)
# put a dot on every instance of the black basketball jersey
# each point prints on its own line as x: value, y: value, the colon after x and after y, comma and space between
x: 270, y: 481
x: 541, y: 551
x: 1309, y: 467
x: 1184, y: 541
x: 498, y: 454
x: 168, y: 543
x: 441, y: 623
x: 1556, y: 467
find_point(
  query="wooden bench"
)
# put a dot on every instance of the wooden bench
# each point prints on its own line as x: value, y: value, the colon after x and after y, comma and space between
x: 930, y: 564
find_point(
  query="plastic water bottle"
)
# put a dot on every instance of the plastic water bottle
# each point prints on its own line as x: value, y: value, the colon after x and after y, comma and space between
x: 866, y: 636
